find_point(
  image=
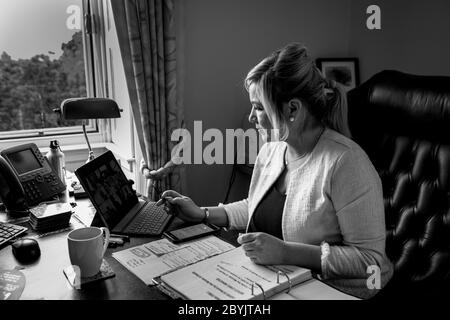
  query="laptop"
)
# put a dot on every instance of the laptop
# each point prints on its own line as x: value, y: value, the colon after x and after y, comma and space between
x: 116, y: 202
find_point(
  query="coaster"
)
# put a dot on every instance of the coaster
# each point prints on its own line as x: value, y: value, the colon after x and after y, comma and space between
x: 72, y: 275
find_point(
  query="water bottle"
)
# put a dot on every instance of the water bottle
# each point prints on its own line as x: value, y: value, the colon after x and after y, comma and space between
x: 56, y: 158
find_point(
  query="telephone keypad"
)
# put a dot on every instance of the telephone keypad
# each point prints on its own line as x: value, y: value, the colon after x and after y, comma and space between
x: 32, y: 190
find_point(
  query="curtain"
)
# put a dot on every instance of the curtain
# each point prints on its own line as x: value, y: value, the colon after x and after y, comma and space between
x: 146, y: 34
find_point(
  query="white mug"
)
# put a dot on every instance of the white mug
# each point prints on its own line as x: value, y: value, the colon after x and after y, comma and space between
x: 87, y: 246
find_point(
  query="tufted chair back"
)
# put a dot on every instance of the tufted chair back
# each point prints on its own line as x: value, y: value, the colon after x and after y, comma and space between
x: 402, y: 121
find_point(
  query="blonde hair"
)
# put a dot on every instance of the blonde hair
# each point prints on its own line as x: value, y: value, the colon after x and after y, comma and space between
x: 290, y: 73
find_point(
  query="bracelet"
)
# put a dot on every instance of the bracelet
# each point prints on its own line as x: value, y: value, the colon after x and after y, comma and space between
x: 205, y: 219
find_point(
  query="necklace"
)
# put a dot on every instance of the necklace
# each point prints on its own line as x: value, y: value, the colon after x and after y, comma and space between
x: 306, y: 153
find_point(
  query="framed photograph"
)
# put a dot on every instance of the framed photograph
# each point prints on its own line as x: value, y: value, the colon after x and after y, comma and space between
x: 342, y: 70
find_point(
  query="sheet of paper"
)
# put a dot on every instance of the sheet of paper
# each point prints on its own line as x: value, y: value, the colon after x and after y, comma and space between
x: 84, y: 213
x: 146, y: 265
x: 317, y: 290
x: 230, y: 276
x: 282, y: 296
x: 161, y: 247
x: 137, y: 260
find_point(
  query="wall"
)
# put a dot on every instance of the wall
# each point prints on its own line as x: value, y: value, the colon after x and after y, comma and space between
x: 220, y: 41
x: 415, y: 37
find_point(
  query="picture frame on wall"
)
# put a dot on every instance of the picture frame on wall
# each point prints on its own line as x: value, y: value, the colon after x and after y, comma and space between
x: 342, y: 70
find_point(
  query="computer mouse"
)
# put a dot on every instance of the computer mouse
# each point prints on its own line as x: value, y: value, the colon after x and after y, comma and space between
x: 26, y: 250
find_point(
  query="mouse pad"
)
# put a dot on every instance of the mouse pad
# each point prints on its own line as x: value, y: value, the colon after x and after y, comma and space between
x: 12, y: 283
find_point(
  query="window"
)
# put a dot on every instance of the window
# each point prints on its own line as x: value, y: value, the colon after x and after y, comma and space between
x: 44, y: 53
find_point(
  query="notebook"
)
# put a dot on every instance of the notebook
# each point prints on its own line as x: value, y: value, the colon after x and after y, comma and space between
x: 231, y: 276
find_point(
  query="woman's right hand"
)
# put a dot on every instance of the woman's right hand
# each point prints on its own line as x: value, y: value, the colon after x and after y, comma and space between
x: 181, y: 206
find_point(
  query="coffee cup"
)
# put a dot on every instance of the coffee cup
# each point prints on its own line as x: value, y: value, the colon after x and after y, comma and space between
x: 87, y: 246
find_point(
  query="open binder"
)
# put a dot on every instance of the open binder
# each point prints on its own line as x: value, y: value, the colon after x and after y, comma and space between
x: 231, y: 276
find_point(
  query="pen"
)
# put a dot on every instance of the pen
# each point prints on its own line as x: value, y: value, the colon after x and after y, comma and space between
x: 79, y: 219
x: 124, y: 237
x: 116, y: 241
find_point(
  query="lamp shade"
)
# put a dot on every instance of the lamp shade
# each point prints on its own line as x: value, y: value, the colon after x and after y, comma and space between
x: 89, y: 108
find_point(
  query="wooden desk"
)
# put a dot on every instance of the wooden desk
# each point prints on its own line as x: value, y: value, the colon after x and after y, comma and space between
x: 45, y: 278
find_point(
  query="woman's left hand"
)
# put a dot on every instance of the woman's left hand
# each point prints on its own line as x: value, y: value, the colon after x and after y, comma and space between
x: 262, y: 248
x: 158, y: 174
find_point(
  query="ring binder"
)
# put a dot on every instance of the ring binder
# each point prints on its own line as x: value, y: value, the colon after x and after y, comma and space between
x: 260, y: 287
x: 209, y: 279
x: 286, y: 275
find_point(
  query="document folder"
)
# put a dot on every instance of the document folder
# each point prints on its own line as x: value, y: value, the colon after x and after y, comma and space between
x: 231, y: 276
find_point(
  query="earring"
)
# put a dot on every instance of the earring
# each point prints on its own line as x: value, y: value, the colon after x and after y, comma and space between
x: 291, y: 119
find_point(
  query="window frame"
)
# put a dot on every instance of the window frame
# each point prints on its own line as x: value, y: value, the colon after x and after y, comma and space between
x: 66, y: 135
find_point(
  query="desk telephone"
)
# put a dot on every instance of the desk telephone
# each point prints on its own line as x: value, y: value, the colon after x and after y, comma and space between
x: 26, y: 177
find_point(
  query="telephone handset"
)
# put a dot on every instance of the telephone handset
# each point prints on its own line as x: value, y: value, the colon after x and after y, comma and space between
x: 11, y: 191
x: 34, y: 173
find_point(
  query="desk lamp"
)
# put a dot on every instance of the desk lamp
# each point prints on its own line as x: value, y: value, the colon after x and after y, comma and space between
x: 89, y: 108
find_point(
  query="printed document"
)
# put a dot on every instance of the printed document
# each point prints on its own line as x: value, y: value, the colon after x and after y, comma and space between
x: 156, y: 258
x: 231, y: 276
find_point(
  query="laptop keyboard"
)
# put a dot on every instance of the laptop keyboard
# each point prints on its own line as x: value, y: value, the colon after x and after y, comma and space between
x: 151, y: 220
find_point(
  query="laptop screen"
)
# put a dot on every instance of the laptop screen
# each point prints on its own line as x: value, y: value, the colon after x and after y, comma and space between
x: 108, y: 188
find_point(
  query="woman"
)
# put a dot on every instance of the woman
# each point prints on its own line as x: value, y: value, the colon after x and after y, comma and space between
x: 315, y: 199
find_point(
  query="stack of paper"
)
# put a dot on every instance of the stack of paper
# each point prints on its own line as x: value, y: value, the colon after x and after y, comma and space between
x: 156, y: 258
x: 48, y: 217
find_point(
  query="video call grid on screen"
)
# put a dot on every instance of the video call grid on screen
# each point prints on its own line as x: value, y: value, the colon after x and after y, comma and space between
x: 110, y: 191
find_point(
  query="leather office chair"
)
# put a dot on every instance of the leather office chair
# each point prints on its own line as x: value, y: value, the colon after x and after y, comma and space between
x: 402, y: 121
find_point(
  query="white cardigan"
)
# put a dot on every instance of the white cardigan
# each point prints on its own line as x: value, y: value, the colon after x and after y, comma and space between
x: 334, y: 199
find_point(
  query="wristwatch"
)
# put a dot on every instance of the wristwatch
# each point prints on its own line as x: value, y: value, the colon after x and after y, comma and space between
x: 205, y: 219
